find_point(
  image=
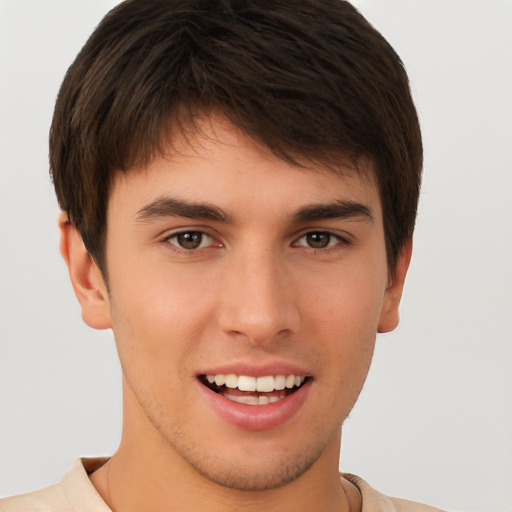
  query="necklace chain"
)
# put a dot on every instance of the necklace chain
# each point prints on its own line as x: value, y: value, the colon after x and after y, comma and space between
x: 108, y: 484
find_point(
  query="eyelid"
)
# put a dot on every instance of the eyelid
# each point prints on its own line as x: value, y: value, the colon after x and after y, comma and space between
x: 214, y: 240
x: 170, y: 232
x: 344, y: 239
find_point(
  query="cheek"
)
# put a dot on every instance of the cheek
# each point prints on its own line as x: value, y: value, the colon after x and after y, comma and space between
x: 348, y: 302
x: 156, y: 317
x: 341, y: 317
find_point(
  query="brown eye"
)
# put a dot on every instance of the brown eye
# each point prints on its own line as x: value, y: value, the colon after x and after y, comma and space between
x: 318, y: 240
x: 190, y: 240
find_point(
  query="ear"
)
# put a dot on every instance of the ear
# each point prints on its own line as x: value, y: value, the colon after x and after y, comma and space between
x: 86, y: 278
x: 389, y: 317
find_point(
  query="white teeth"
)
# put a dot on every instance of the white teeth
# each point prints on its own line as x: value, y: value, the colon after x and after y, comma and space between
x: 250, y: 400
x: 290, y: 381
x: 231, y: 381
x: 255, y: 400
x: 280, y: 382
x: 247, y: 400
x: 246, y: 383
x: 265, y: 384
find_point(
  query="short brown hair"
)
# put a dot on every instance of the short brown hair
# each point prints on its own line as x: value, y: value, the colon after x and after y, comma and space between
x: 306, y: 78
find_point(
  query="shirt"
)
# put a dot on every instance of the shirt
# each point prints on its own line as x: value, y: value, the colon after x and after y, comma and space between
x: 75, y: 493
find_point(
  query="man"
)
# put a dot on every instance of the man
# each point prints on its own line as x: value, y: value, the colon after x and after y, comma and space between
x: 239, y: 182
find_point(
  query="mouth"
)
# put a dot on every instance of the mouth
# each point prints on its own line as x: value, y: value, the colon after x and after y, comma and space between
x: 249, y: 390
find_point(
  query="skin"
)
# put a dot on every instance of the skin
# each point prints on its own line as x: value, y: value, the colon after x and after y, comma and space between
x: 255, y: 292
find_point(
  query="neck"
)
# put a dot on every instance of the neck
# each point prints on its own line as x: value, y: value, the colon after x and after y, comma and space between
x: 147, y: 474
x: 137, y: 481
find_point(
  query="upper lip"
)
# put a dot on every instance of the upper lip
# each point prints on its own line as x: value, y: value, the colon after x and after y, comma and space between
x: 256, y: 370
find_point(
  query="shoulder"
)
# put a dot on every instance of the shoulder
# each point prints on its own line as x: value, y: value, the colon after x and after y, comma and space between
x: 75, y: 493
x: 374, y: 501
x: 49, y: 499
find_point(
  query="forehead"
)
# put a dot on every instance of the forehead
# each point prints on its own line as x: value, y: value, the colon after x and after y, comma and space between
x: 218, y: 163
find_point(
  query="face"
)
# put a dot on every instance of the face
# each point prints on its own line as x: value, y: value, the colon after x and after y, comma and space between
x: 245, y: 295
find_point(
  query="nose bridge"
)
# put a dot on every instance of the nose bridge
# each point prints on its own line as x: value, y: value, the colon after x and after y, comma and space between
x: 258, y: 302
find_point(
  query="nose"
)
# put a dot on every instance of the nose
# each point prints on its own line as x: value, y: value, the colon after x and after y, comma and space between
x: 258, y: 302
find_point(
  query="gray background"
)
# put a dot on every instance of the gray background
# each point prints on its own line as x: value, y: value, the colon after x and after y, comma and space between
x: 434, y: 422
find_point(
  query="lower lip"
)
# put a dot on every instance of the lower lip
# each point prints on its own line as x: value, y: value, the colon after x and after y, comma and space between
x: 257, y: 417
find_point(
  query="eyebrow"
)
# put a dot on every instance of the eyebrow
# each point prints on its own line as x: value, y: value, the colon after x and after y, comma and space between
x: 172, y: 207
x: 341, y: 209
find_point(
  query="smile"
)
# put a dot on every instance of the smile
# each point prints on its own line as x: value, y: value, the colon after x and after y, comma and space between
x: 249, y: 390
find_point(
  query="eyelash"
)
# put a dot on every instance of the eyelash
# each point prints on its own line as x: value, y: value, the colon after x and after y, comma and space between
x: 340, y: 241
x: 202, y: 234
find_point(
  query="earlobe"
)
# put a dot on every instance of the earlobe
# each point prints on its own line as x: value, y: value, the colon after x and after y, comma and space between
x: 389, y: 317
x: 86, y: 278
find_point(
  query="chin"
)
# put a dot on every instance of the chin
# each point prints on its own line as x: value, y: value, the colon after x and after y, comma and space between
x: 266, y: 476
x: 259, y: 468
